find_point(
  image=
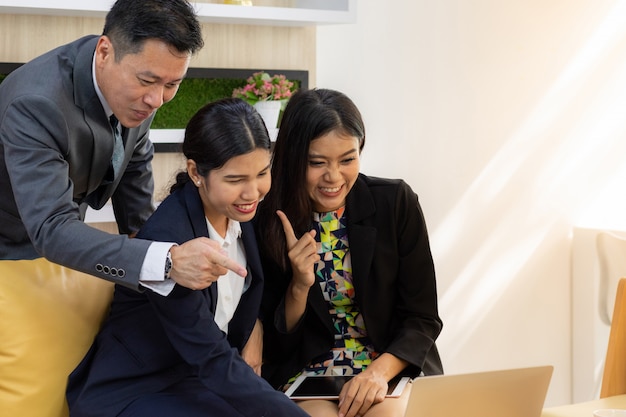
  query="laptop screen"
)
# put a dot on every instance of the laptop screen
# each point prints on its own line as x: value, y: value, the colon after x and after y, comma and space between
x: 504, y: 393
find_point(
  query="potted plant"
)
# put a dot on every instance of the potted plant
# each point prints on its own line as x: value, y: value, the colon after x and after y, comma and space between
x: 268, y: 94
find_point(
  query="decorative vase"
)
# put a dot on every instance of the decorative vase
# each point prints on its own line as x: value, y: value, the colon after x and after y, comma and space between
x: 269, y: 111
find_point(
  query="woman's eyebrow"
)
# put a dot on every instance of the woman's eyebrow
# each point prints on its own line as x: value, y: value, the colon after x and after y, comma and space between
x: 312, y: 155
x: 231, y: 176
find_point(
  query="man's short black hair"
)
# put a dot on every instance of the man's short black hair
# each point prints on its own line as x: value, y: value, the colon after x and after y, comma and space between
x: 130, y: 23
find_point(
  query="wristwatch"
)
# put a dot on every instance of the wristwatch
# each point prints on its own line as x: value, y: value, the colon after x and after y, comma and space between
x: 168, y: 265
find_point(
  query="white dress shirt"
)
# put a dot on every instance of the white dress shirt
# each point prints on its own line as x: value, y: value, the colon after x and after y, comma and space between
x: 231, y: 286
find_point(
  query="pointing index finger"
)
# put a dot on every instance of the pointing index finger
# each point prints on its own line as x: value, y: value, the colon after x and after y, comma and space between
x: 230, y: 264
x: 290, y: 235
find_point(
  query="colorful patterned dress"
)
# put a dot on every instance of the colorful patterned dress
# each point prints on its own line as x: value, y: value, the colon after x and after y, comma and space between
x: 353, y: 351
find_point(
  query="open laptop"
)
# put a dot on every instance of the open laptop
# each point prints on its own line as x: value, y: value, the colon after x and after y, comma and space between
x: 504, y: 393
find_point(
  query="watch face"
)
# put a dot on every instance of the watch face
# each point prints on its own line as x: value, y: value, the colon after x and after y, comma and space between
x: 168, y: 265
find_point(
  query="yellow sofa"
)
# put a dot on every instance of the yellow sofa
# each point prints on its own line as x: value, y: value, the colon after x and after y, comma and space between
x: 49, y: 316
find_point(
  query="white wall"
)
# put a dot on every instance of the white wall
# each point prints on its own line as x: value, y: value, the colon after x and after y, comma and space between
x: 508, y: 118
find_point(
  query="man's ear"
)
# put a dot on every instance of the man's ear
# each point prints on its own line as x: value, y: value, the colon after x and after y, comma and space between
x: 104, y: 49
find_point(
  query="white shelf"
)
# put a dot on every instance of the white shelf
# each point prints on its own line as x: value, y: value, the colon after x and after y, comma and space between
x: 308, y: 12
x: 167, y: 135
x: 177, y: 135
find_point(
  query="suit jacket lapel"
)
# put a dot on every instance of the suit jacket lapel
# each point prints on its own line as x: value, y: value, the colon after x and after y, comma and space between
x: 101, y: 144
x: 240, y: 326
x: 199, y: 226
x: 252, y: 253
x: 359, y: 207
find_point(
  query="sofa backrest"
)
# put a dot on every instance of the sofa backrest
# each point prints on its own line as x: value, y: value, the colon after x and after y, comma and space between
x: 49, y: 316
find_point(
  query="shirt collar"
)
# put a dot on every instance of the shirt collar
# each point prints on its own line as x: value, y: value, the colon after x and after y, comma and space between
x: 105, y: 105
x: 232, y: 233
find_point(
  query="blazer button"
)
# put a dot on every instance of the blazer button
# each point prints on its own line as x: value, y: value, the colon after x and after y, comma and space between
x: 121, y: 273
x: 99, y: 267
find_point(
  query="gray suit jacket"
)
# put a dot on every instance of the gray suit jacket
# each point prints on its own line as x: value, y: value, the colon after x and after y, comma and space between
x: 55, y: 150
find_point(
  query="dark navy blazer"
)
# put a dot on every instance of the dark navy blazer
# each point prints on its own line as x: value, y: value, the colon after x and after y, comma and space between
x: 150, y: 342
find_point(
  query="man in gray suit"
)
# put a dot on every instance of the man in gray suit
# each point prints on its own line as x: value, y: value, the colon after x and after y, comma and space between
x: 58, y: 128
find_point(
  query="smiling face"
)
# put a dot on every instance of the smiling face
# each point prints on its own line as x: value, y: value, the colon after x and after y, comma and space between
x: 333, y: 168
x: 234, y: 190
x: 139, y: 83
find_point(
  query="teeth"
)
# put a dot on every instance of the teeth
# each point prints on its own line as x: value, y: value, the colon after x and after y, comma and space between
x: 330, y: 190
x: 245, y: 206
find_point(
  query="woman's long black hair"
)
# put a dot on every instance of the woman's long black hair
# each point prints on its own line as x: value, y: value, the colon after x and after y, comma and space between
x: 310, y: 114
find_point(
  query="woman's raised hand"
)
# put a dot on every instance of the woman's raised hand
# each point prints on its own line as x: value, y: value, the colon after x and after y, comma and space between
x: 302, y: 253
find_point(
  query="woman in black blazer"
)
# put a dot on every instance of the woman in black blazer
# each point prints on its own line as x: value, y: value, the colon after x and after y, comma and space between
x: 181, y: 354
x: 350, y: 282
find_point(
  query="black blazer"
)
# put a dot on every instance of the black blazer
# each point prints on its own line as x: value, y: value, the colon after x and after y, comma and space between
x: 150, y: 342
x: 55, y: 151
x: 394, y: 281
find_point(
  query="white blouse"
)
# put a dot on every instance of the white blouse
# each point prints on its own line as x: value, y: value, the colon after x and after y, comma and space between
x: 231, y: 286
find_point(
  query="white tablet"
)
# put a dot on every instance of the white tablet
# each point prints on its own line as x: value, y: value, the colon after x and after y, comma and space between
x: 328, y: 387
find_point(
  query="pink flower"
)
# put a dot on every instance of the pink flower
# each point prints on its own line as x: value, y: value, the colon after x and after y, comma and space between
x: 263, y: 87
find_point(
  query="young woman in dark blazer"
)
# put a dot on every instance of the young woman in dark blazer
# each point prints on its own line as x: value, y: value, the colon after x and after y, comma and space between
x: 192, y: 353
x: 350, y: 282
